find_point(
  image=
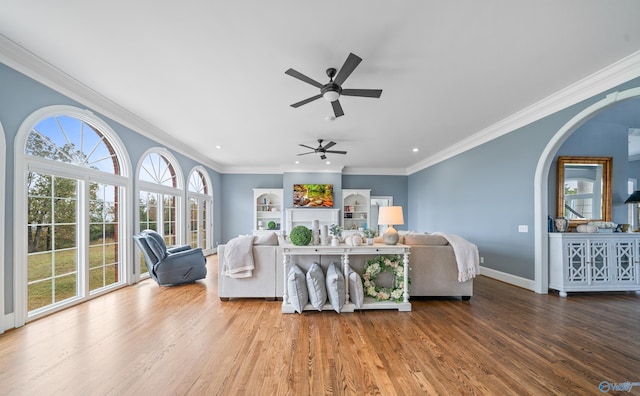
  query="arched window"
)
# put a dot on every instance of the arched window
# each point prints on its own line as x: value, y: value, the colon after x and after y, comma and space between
x: 200, y: 210
x: 75, y: 184
x: 159, y: 198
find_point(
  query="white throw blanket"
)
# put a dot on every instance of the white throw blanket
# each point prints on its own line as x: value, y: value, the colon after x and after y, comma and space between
x: 238, y: 257
x: 466, y: 254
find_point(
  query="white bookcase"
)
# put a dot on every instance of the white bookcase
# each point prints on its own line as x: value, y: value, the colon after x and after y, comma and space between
x: 594, y: 262
x: 356, y: 209
x: 267, y: 209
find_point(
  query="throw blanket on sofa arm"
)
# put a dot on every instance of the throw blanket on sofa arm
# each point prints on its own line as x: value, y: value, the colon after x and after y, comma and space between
x: 466, y: 254
x: 238, y: 257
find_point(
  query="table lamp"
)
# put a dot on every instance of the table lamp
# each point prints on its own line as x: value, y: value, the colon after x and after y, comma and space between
x: 634, y: 198
x: 390, y: 215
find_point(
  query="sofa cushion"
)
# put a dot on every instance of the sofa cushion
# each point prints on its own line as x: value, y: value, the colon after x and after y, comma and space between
x: 270, y: 239
x: 336, y: 290
x: 297, y: 287
x: 356, y: 289
x: 316, y: 286
x: 425, y: 239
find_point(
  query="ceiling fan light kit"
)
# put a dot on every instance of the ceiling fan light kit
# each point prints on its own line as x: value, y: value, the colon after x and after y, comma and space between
x: 332, y: 90
x: 322, y: 150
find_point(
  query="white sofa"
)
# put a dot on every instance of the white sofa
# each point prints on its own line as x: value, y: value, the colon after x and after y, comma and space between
x: 263, y: 282
x: 433, y: 270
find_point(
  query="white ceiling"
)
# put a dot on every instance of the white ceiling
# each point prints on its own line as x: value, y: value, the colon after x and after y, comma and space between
x: 203, y: 73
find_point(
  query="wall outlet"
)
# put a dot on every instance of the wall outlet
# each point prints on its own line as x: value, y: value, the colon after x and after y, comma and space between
x: 481, y: 260
x: 523, y: 228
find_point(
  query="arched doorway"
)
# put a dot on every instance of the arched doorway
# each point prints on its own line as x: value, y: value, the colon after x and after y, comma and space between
x: 541, y: 182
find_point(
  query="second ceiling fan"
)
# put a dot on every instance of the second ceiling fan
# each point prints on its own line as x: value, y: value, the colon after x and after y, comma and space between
x: 332, y: 90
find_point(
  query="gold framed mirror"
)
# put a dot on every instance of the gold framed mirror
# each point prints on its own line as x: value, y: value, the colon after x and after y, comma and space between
x: 584, y: 189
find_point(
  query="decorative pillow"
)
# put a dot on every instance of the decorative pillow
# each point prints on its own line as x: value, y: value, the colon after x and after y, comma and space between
x: 356, y: 289
x: 335, y: 287
x: 297, y: 288
x: 269, y: 239
x: 316, y: 285
x: 425, y: 239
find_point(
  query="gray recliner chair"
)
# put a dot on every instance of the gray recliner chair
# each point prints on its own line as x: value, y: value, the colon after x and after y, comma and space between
x: 173, y: 266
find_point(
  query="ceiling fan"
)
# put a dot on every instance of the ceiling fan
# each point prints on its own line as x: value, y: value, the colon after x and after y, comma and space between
x: 332, y: 90
x: 322, y: 150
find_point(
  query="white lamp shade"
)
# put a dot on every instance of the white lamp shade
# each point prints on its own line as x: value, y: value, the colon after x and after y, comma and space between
x: 390, y: 215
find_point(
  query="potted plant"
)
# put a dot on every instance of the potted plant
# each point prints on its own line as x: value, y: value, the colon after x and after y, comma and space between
x: 369, y: 233
x: 335, y: 231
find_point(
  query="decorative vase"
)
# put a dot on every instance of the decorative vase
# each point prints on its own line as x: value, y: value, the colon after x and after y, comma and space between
x: 315, y: 229
x: 335, y: 241
x: 369, y: 241
x: 562, y: 224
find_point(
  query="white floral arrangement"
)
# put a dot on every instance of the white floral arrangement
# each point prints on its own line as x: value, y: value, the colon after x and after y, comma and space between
x: 380, y: 264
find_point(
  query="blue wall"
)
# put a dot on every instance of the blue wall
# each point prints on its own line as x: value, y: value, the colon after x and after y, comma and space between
x: 237, y: 201
x: 482, y: 194
x: 237, y: 195
x: 19, y: 97
x: 599, y: 139
x: 485, y: 193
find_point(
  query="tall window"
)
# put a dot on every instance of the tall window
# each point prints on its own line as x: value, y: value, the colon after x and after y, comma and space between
x: 159, y: 198
x: 74, y: 190
x: 200, y: 210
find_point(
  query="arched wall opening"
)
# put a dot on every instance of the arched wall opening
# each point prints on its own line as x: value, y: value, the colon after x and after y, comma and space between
x: 541, y: 181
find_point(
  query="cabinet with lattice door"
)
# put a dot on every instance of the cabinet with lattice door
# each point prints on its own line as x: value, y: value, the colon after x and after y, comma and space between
x: 594, y: 262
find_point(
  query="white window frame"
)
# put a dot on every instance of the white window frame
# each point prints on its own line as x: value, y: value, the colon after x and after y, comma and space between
x: 178, y: 192
x: 24, y: 164
x: 208, y: 199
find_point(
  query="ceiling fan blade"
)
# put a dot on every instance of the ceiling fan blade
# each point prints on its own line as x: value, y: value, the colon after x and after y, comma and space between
x: 337, y: 109
x: 335, y: 152
x: 304, y: 145
x: 303, y: 102
x: 300, y: 76
x: 312, y: 152
x: 349, y: 66
x: 330, y: 144
x: 368, y: 93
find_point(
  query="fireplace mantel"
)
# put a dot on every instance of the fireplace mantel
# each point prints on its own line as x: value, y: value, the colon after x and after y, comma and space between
x: 305, y: 216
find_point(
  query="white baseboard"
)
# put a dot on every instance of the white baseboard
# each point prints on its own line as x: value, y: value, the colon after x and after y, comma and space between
x: 508, y: 278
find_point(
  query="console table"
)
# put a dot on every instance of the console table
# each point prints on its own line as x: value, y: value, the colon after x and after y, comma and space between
x: 594, y: 262
x: 344, y: 251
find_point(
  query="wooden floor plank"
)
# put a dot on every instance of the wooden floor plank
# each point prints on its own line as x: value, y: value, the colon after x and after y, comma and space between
x: 147, y: 339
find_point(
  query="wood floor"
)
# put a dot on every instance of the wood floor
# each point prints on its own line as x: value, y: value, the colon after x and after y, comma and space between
x: 150, y: 340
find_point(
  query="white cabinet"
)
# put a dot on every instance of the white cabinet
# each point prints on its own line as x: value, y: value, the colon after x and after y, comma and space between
x: 356, y: 209
x: 267, y: 210
x: 594, y: 262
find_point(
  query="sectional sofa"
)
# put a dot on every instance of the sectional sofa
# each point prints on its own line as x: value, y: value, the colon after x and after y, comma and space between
x: 433, y: 269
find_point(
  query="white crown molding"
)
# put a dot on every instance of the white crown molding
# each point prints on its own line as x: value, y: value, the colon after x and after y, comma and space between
x: 16, y: 57
x: 280, y: 169
x: 375, y: 171
x: 611, y: 76
x: 25, y: 62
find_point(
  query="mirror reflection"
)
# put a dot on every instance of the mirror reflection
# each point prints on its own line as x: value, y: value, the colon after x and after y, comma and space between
x: 584, y: 189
